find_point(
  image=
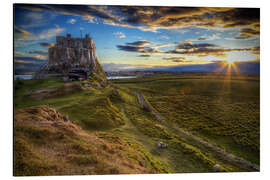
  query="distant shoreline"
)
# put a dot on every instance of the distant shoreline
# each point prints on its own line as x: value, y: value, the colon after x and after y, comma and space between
x: 30, y: 76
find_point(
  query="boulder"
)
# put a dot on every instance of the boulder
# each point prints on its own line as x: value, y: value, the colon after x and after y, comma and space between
x: 162, y: 145
x: 216, y: 167
x: 66, y: 119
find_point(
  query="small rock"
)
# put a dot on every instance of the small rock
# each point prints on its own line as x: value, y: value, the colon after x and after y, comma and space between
x: 216, y: 167
x: 103, y: 84
x: 162, y: 145
x: 65, y: 79
x: 66, y: 118
x: 86, y: 85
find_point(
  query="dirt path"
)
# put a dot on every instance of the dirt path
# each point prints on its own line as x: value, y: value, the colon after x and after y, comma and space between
x: 243, y: 163
x: 146, y: 106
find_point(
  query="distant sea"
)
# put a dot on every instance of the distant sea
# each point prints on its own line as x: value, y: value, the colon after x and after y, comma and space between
x: 120, y: 77
x: 28, y: 76
x: 24, y: 77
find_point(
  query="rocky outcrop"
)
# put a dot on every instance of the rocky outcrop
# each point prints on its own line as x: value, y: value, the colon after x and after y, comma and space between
x: 71, y: 53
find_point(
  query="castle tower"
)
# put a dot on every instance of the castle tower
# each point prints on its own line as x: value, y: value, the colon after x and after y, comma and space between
x: 70, y: 52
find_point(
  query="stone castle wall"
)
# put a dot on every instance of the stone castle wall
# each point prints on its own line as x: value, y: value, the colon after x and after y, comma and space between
x: 72, y: 53
x: 70, y: 42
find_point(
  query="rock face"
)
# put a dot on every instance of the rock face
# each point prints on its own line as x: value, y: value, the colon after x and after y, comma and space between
x: 71, y: 53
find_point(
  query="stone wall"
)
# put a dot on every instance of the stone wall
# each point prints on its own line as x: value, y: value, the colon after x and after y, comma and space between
x: 72, y: 53
x: 70, y: 42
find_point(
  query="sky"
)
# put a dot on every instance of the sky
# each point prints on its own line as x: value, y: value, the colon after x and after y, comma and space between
x: 143, y: 37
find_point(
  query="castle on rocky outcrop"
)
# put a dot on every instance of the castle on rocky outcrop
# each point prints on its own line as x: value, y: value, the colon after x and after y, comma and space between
x: 69, y: 53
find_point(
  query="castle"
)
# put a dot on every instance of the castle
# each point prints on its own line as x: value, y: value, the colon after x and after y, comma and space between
x: 70, y: 42
x: 69, y: 53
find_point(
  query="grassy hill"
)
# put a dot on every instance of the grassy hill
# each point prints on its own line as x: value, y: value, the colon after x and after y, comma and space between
x: 109, y: 132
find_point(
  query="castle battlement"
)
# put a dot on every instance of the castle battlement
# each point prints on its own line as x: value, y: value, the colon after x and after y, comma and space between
x: 70, y: 42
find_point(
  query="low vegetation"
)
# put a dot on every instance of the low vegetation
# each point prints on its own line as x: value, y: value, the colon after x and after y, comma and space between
x: 103, y: 129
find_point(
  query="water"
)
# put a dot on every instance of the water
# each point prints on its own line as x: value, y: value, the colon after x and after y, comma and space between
x: 120, y: 77
x: 29, y: 76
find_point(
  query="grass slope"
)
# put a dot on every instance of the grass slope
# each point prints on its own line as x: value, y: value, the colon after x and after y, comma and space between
x: 224, y: 112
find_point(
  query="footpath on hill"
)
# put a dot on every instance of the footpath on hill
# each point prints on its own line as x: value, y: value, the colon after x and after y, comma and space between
x: 220, y: 151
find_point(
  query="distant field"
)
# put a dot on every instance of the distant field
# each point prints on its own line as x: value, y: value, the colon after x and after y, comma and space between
x: 222, y: 111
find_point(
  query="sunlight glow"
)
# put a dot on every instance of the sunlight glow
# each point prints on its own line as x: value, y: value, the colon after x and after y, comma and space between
x: 230, y: 61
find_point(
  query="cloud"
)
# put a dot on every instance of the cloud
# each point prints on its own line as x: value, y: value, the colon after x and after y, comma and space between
x: 207, y: 38
x: 49, y: 33
x: 119, y: 35
x: 255, y: 50
x: 20, y: 34
x: 144, y: 55
x: 201, y: 39
x: 129, y: 48
x: 203, y: 52
x: 190, y: 46
x: 24, y: 38
x: 71, y: 21
x: 137, y: 46
x: 40, y: 52
x: 37, y: 58
x: 164, y: 37
x: 31, y: 19
x: 183, y: 48
x: 24, y: 62
x: 176, y: 59
x: 143, y: 47
x: 248, y: 33
x: 45, y: 44
x: 140, y: 43
x: 205, y: 49
x: 151, y: 18
x: 19, y: 53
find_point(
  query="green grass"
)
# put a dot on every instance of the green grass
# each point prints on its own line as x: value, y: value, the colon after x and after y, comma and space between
x: 222, y: 111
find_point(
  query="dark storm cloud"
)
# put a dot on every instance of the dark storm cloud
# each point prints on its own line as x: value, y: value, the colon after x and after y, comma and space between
x: 143, y: 47
x: 203, y: 49
x: 184, y: 48
x: 188, y: 45
x: 137, y: 46
x: 86, y: 12
x: 240, y: 17
x: 256, y: 50
x: 129, y: 48
x: 144, y: 55
x: 152, y: 17
x: 248, y: 32
x: 140, y: 43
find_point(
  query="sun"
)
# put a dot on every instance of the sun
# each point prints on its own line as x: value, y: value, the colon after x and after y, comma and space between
x: 229, y: 61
